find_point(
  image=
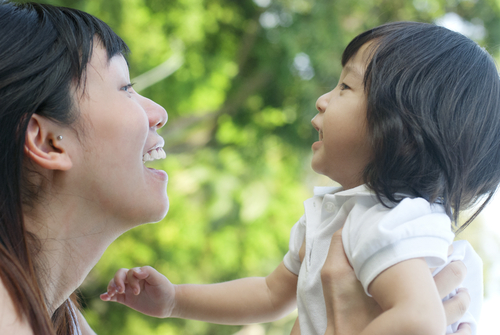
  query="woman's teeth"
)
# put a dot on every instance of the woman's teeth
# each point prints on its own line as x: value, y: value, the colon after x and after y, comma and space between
x: 157, y: 153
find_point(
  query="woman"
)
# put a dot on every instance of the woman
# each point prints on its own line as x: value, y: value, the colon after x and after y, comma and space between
x: 74, y: 136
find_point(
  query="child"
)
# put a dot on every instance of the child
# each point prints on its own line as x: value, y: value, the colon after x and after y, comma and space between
x: 412, y: 134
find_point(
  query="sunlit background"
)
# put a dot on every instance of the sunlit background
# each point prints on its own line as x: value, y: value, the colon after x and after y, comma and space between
x: 239, y: 80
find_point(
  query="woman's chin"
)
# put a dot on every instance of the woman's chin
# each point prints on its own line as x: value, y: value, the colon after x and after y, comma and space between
x: 158, y: 212
x: 161, y: 209
x: 154, y: 212
x: 163, y: 213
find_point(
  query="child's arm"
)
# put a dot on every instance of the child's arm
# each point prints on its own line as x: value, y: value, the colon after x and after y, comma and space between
x: 242, y: 301
x: 408, y: 296
x: 350, y: 310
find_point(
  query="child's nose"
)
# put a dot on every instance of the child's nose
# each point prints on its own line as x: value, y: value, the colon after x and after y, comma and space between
x: 322, y: 103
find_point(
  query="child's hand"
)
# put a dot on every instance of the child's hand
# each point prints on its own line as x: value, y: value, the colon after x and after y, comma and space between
x: 143, y: 289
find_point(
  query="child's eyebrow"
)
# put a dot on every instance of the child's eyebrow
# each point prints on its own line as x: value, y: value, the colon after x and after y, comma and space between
x: 353, y: 70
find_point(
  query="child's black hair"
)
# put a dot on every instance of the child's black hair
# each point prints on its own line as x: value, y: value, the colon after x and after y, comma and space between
x: 433, y: 114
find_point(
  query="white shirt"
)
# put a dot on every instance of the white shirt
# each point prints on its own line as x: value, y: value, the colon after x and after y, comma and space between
x: 375, y: 237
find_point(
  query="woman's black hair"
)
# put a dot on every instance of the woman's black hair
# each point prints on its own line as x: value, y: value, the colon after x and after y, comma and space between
x: 44, y: 51
x: 433, y: 115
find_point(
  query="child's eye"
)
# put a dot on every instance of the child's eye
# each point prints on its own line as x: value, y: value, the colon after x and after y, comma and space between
x: 344, y: 87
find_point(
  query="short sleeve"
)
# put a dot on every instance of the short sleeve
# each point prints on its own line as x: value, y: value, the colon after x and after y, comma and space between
x: 297, y: 235
x: 376, y: 238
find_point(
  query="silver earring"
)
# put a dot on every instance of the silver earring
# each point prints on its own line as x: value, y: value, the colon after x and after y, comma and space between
x: 59, y: 137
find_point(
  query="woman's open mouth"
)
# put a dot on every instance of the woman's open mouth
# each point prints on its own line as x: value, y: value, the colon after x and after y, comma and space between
x: 153, y: 154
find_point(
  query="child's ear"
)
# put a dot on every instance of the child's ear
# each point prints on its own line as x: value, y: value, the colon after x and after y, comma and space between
x: 43, y: 147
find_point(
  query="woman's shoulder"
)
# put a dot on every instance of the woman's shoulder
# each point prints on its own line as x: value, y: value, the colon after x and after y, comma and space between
x: 10, y: 321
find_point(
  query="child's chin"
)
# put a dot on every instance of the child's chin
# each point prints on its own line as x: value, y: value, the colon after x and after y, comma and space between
x: 316, y: 166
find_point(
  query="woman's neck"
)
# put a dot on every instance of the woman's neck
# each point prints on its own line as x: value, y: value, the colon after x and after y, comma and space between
x: 72, y: 240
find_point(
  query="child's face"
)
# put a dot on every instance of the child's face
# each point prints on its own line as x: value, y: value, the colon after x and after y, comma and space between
x: 343, y: 149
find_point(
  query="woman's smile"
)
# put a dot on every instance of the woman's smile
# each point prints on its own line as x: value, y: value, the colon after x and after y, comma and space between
x: 126, y: 125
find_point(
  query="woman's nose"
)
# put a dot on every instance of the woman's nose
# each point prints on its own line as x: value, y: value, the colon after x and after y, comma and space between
x: 157, y: 115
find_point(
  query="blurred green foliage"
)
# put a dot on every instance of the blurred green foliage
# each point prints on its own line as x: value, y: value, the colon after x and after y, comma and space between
x: 239, y: 135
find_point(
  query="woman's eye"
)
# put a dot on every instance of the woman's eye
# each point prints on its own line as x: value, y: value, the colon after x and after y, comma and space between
x: 127, y: 87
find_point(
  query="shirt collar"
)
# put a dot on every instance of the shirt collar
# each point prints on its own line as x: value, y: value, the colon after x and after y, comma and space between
x: 361, y: 190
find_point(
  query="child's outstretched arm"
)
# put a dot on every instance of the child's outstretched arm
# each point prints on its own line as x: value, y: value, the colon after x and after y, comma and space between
x: 242, y: 301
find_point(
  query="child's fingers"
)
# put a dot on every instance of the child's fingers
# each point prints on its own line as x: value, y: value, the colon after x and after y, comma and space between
x: 134, y: 277
x: 143, y: 272
x: 108, y: 297
x: 121, y: 298
x: 112, y: 289
x: 119, y: 281
x: 130, y: 279
x: 150, y: 275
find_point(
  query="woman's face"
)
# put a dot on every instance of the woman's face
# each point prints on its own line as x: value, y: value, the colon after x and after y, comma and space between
x: 119, y: 130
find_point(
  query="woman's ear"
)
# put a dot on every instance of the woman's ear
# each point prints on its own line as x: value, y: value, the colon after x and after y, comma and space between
x: 43, y: 147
